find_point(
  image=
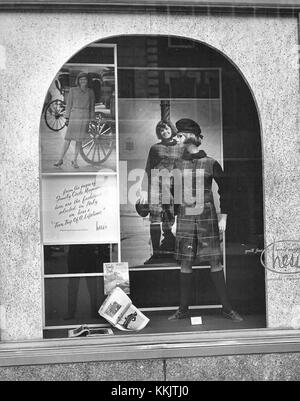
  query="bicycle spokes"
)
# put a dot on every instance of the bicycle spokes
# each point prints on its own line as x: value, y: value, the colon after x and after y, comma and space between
x: 99, y: 144
x: 55, y: 115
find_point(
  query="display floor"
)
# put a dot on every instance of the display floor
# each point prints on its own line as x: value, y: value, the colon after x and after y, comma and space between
x: 159, y: 323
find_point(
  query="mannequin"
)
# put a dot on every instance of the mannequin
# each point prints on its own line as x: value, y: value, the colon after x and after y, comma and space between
x: 197, y: 235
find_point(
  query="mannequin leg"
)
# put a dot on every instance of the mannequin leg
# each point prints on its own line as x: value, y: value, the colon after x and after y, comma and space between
x: 218, y: 278
x: 185, y: 290
x: 186, y: 281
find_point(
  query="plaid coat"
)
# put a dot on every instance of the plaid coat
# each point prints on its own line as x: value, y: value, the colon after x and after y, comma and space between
x: 197, y: 234
x: 161, y: 156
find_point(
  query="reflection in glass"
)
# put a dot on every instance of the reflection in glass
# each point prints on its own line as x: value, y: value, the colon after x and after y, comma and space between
x: 75, y: 259
x: 94, y: 55
x: 74, y: 300
x: 159, y: 83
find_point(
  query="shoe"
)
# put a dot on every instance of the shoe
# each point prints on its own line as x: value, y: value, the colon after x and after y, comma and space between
x: 59, y: 163
x: 179, y: 314
x: 233, y: 315
x: 74, y: 164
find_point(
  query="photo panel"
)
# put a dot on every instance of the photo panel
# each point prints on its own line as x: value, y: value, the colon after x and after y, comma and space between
x: 73, y: 117
x: 137, y: 123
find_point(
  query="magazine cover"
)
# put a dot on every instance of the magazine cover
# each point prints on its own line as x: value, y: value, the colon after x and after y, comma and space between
x: 116, y: 275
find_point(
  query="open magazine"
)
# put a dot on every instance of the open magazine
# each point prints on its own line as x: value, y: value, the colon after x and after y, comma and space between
x: 118, y: 310
x: 86, y: 331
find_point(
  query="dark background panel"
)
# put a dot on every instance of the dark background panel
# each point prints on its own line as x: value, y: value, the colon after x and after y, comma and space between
x: 244, y: 276
x: 73, y: 301
x: 78, y: 259
x: 92, y: 55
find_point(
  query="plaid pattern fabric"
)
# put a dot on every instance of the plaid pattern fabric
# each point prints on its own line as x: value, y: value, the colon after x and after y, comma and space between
x: 162, y: 156
x: 198, y: 236
x: 162, y: 214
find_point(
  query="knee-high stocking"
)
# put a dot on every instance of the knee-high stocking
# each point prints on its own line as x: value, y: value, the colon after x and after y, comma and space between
x: 185, y: 290
x: 219, y: 282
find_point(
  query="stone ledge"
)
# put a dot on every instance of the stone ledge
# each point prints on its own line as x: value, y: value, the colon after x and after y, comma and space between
x: 248, y: 6
x: 149, y: 347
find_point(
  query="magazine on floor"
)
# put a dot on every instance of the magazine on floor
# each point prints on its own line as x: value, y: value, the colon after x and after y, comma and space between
x: 118, y: 310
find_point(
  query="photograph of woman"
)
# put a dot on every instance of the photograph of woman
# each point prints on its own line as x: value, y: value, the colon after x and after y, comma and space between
x: 162, y: 155
x: 80, y: 111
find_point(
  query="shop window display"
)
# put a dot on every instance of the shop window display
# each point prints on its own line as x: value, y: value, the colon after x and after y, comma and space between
x: 152, y: 104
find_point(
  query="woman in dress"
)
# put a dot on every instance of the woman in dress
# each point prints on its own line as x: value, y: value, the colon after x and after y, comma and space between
x: 80, y: 111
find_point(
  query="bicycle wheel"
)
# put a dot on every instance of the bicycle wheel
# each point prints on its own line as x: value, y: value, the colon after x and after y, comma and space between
x: 99, y: 144
x: 55, y: 115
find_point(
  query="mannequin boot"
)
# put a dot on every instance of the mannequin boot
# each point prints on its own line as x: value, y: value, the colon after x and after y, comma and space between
x: 185, y: 297
x: 220, y: 285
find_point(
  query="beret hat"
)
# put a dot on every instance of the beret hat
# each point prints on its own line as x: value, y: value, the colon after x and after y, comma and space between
x: 188, y: 125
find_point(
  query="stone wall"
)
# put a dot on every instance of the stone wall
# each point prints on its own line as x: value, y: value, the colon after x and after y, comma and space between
x: 33, y: 47
x: 268, y: 367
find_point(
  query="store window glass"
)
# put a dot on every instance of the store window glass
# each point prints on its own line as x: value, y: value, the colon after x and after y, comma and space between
x: 151, y: 167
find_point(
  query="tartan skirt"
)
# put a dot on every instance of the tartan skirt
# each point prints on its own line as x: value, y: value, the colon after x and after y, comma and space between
x: 198, y: 236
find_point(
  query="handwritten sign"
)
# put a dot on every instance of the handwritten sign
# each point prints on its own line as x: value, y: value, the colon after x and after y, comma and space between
x: 81, y: 209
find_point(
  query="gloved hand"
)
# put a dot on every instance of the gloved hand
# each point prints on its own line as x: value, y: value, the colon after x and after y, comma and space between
x: 222, y: 222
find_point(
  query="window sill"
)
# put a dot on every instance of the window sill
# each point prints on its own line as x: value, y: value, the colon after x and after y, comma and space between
x: 154, y: 346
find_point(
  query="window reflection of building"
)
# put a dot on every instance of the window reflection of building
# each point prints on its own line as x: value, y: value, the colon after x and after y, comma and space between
x: 81, y: 259
x: 82, y: 264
